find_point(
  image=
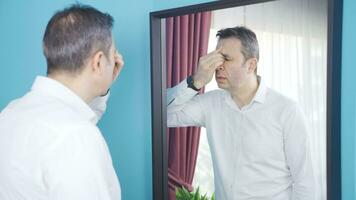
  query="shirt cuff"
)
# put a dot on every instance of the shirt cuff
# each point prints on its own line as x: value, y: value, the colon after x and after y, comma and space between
x: 181, y: 93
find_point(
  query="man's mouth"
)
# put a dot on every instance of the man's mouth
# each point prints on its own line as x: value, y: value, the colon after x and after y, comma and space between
x: 220, y: 75
x: 220, y: 78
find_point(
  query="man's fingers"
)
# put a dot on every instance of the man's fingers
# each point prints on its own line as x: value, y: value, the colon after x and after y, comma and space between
x: 212, y: 57
x: 215, y: 61
x: 215, y: 52
x: 216, y: 65
x: 119, y: 63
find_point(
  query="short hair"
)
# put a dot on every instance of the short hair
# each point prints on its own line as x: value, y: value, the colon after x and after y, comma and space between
x: 73, y: 34
x: 249, y: 43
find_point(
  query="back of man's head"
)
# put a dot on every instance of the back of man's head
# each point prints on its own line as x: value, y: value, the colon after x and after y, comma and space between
x: 72, y: 35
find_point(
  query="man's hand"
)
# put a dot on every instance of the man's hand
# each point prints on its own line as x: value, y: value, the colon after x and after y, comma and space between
x: 119, y: 63
x: 206, y: 68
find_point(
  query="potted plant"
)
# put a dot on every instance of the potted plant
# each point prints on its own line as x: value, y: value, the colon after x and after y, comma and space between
x: 184, y: 194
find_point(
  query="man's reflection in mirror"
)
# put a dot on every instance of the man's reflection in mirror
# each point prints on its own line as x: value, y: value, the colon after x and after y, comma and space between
x: 258, y: 137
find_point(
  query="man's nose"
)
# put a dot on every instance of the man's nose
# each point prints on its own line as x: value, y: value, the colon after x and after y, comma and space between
x: 221, y: 67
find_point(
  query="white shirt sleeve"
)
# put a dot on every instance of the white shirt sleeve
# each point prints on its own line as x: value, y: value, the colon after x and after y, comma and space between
x: 184, y: 107
x: 98, y: 105
x: 80, y: 167
x: 298, y: 155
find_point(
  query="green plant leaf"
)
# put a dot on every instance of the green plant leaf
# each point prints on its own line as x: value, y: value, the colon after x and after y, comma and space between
x: 197, y: 195
x: 213, y: 197
x: 183, y: 194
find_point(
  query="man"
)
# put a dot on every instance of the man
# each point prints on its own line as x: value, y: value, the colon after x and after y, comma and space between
x: 50, y: 146
x: 258, y: 138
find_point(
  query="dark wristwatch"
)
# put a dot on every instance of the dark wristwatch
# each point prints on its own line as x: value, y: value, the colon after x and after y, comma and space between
x: 190, y: 83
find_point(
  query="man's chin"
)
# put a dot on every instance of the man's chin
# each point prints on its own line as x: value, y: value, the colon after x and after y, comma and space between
x: 221, y: 85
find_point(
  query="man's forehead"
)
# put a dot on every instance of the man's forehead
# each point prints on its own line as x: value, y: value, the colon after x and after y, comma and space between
x: 228, y: 42
x: 229, y: 46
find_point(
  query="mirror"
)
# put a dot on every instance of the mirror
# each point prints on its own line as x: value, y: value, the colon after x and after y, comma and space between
x: 246, y: 87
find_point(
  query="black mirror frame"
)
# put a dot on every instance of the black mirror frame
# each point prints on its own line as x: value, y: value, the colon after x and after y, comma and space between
x: 158, y: 92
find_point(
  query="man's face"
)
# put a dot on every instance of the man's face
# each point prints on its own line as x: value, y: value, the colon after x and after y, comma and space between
x: 233, y: 73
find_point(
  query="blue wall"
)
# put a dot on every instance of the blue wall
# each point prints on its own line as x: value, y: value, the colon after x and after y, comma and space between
x: 127, y: 122
x: 167, y: 4
x: 348, y: 91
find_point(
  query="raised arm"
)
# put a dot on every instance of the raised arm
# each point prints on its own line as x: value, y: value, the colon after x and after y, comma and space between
x: 184, y: 106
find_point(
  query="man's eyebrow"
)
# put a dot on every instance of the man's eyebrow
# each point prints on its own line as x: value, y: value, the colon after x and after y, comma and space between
x: 225, y: 56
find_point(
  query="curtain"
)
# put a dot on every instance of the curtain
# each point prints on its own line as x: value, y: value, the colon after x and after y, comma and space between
x: 186, y: 41
x: 292, y: 35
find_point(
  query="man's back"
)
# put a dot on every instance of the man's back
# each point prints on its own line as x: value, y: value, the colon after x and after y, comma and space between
x: 50, y: 148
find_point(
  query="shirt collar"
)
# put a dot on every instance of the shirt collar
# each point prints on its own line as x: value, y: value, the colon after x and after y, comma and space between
x: 59, y: 91
x: 260, y: 95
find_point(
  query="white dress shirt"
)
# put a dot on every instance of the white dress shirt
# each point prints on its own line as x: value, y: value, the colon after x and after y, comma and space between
x: 51, y: 148
x: 259, y: 152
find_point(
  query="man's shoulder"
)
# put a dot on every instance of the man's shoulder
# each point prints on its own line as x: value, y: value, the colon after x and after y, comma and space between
x: 214, y: 94
x: 41, y: 128
x: 43, y: 111
x: 212, y: 97
x: 277, y: 98
x: 281, y: 105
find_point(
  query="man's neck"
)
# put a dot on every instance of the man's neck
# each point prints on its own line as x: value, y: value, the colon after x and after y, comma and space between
x: 74, y: 84
x: 243, y: 96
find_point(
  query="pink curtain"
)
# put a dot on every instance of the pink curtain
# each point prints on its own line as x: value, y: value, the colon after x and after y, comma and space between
x: 186, y: 41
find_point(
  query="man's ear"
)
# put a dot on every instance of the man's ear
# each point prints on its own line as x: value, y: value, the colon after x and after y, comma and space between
x: 96, y: 63
x: 252, y: 65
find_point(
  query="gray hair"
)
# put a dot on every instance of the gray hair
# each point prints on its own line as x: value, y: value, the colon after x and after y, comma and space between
x: 247, y: 37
